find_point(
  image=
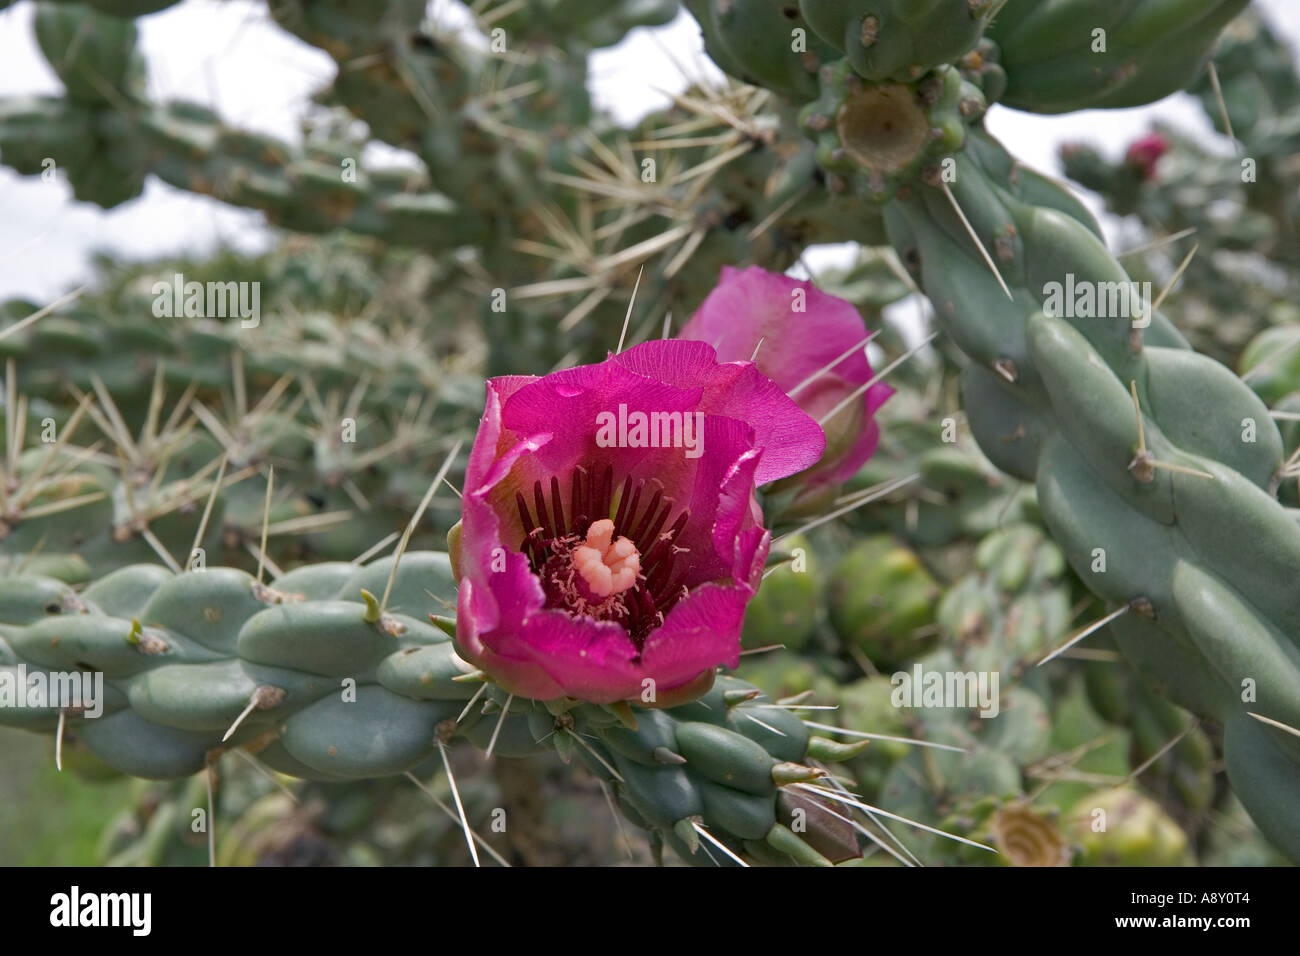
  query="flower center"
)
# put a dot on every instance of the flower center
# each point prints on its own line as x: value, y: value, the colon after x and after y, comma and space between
x: 608, y: 567
x: 609, y: 559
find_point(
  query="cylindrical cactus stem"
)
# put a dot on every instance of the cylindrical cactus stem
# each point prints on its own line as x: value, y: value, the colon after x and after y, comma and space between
x: 94, y: 54
x: 319, y: 680
x: 1064, y: 55
x: 1155, y: 466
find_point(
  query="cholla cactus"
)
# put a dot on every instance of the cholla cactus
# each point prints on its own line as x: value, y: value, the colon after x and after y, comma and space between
x: 592, y: 591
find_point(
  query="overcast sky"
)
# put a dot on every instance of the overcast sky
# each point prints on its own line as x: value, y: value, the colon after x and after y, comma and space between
x: 231, y: 56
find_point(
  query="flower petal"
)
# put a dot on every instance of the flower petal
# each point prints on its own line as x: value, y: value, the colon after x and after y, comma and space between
x: 749, y: 305
x: 753, y: 305
x: 790, y: 440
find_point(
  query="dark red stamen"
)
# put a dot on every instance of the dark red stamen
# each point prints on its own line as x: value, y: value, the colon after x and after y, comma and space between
x: 624, y: 503
x: 638, y: 535
x: 560, y: 529
x: 663, y: 546
x: 648, y: 540
x: 543, y: 519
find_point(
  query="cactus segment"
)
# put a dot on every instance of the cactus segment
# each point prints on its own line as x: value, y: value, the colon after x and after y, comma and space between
x: 1161, y: 506
x: 898, y: 40
x: 308, y: 679
x: 1078, y: 54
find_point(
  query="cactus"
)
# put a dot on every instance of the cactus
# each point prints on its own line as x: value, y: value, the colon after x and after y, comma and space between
x: 898, y: 40
x: 1119, y: 442
x: 1035, y: 388
x: 1183, y: 775
x: 1063, y: 402
x: 283, y: 657
x: 93, y: 54
x: 763, y: 43
x: 1272, y: 361
x: 1174, y: 186
x: 273, y: 820
x: 882, y: 602
x: 1013, y: 606
x: 177, y: 397
x: 1242, y: 207
x: 582, y: 23
x: 1073, y: 55
x: 891, y: 134
x: 786, y: 608
x: 115, y: 8
x: 1134, y: 831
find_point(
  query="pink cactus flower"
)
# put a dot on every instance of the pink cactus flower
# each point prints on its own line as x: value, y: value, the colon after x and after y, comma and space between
x: 802, y: 331
x: 1145, y: 153
x: 611, y: 534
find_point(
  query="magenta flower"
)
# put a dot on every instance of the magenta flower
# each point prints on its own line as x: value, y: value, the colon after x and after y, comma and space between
x: 1143, y: 154
x: 803, y: 331
x: 611, y: 534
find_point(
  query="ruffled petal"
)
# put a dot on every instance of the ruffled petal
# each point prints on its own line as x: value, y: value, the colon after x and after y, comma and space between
x: 804, y: 332
x: 791, y: 441
x: 800, y: 334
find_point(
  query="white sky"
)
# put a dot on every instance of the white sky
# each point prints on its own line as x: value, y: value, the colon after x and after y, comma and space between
x: 231, y: 56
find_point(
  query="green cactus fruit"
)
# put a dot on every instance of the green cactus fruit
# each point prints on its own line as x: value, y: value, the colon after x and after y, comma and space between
x: 94, y: 54
x: 785, y: 673
x: 868, y: 702
x: 889, y: 136
x: 898, y: 40
x: 881, y: 602
x: 962, y: 495
x: 950, y: 790
x: 786, y: 608
x: 1014, y: 606
x: 1121, y: 827
x: 1064, y: 55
